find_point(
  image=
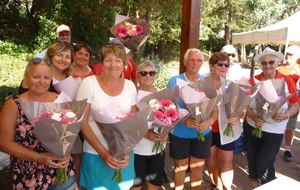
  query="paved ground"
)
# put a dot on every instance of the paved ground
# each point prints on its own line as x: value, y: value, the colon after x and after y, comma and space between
x: 241, y: 181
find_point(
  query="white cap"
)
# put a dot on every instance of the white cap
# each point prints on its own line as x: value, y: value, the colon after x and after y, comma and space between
x: 62, y: 28
x: 228, y: 49
x: 294, y: 50
x: 269, y: 51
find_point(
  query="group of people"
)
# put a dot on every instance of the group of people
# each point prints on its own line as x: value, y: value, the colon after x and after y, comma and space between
x: 93, y: 165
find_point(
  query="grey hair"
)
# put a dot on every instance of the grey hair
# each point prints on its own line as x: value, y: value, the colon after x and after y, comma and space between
x: 188, y: 51
x: 146, y: 63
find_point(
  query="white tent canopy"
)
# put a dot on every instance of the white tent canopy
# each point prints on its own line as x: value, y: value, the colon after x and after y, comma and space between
x: 284, y: 32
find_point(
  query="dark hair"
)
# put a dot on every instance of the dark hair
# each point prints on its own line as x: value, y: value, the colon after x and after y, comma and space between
x: 218, y: 56
x: 81, y: 45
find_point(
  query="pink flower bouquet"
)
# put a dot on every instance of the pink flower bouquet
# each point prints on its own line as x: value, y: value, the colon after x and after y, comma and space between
x: 164, y: 113
x: 132, y: 32
x: 56, y: 125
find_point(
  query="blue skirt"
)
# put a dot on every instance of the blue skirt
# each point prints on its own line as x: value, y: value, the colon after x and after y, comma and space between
x: 96, y: 175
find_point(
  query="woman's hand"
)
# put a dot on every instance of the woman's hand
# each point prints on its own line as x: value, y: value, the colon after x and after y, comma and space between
x: 280, y: 117
x: 192, y: 123
x: 258, y: 121
x: 204, y: 125
x: 113, y: 162
x: 233, y: 120
x: 152, y: 136
x: 52, y: 161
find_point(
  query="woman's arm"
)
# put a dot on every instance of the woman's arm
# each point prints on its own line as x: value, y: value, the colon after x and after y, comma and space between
x: 8, y: 118
x: 207, y: 123
x: 292, y: 111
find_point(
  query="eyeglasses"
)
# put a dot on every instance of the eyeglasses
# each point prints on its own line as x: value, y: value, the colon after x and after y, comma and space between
x: 268, y: 62
x: 230, y: 54
x: 145, y: 73
x: 220, y: 64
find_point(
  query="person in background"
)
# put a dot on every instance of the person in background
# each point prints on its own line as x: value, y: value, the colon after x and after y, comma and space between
x: 129, y: 72
x: 185, y: 148
x: 32, y: 166
x: 292, y: 69
x: 63, y: 34
x: 82, y: 55
x: 98, y: 165
x: 261, y: 152
x: 234, y: 71
x: 220, y: 161
x: 148, y: 165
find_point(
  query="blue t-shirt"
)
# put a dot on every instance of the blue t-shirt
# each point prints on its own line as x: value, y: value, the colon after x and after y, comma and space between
x: 181, y: 130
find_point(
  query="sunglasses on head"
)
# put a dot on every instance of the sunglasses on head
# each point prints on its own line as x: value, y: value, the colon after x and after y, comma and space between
x: 268, y: 62
x: 37, y: 60
x: 220, y: 64
x: 145, y: 73
x: 230, y: 54
x: 114, y: 46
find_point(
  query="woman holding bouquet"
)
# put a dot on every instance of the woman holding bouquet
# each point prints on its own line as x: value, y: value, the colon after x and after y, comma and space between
x: 262, y: 150
x: 185, y: 147
x: 98, y: 165
x: 31, y: 165
x: 220, y: 161
x: 148, y: 165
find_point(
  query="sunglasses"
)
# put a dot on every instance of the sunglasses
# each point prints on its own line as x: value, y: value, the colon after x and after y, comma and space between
x: 268, y: 62
x: 223, y: 64
x: 145, y: 73
x: 37, y: 60
x: 230, y: 54
x: 114, y: 46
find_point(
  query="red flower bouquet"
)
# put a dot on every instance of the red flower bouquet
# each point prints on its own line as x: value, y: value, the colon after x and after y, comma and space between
x: 132, y: 32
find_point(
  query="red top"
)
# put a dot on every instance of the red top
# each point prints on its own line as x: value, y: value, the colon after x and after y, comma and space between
x: 129, y: 72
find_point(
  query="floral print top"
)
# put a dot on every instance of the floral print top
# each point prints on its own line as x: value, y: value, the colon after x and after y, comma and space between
x: 31, y: 175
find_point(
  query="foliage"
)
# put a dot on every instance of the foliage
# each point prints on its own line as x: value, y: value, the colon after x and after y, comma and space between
x: 12, y: 67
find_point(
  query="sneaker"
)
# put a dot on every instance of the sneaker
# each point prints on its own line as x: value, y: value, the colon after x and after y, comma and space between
x: 288, y: 156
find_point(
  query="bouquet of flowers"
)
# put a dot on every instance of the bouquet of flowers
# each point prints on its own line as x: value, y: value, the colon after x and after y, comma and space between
x: 164, y: 114
x: 122, y: 132
x: 238, y: 97
x: 132, y: 32
x: 200, y: 98
x: 270, y: 99
x: 56, y: 125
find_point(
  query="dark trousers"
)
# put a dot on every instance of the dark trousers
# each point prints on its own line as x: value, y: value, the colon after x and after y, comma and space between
x: 261, y: 154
